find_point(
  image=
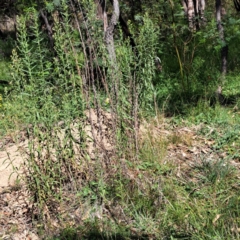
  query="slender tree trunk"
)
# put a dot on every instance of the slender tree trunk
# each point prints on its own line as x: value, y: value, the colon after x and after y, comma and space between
x: 201, y: 12
x: 191, y: 15
x: 109, y: 40
x: 125, y: 28
x: 224, y: 50
x: 110, y: 31
x: 109, y: 28
x: 194, y: 11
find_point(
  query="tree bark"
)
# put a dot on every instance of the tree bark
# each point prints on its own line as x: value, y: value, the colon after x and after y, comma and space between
x: 109, y: 40
x: 194, y: 11
x: 114, y: 70
x: 109, y: 33
x: 191, y: 15
x: 224, y: 50
x: 201, y: 11
x: 101, y: 12
x: 109, y: 28
x: 125, y: 28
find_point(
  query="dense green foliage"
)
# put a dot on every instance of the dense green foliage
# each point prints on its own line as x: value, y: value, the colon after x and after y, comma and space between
x: 82, y: 112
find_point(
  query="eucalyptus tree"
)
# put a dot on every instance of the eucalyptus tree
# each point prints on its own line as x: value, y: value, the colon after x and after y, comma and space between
x: 194, y: 11
x: 224, y: 50
x: 109, y: 26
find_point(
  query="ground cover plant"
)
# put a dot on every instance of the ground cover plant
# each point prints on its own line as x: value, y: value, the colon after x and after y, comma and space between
x: 115, y: 148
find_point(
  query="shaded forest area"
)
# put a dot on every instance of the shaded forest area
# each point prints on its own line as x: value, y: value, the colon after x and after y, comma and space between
x: 185, y: 33
x: 124, y: 116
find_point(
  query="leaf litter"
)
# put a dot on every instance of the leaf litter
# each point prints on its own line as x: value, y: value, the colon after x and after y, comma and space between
x: 185, y: 148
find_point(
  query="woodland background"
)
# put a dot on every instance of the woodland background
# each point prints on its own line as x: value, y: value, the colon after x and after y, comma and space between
x: 130, y: 110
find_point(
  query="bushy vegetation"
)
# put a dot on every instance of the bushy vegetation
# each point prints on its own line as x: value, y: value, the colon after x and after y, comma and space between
x: 97, y: 165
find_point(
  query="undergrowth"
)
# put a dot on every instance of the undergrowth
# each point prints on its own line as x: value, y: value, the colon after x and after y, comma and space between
x: 93, y: 169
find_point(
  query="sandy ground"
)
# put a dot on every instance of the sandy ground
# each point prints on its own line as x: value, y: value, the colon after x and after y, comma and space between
x: 11, y: 159
x: 15, y: 207
x: 11, y: 152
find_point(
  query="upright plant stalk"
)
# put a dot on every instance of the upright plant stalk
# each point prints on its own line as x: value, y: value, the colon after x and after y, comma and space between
x: 176, y: 48
x: 86, y: 74
x: 25, y: 50
x: 146, y: 63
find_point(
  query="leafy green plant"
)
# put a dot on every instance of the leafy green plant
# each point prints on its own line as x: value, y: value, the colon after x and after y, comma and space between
x: 145, y: 62
x: 85, y: 160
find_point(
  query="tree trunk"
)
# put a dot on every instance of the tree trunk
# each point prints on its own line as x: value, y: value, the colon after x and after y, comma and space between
x: 224, y: 50
x: 101, y: 12
x: 125, y: 28
x: 191, y: 15
x: 194, y: 11
x: 201, y: 12
x: 110, y: 29
x: 109, y: 40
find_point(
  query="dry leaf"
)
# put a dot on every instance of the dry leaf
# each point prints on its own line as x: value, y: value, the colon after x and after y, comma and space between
x: 216, y: 218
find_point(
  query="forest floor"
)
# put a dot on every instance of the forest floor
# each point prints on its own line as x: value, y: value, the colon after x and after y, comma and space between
x: 186, y: 146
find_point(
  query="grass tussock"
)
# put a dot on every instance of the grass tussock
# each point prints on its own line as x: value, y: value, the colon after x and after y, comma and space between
x: 155, y: 196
